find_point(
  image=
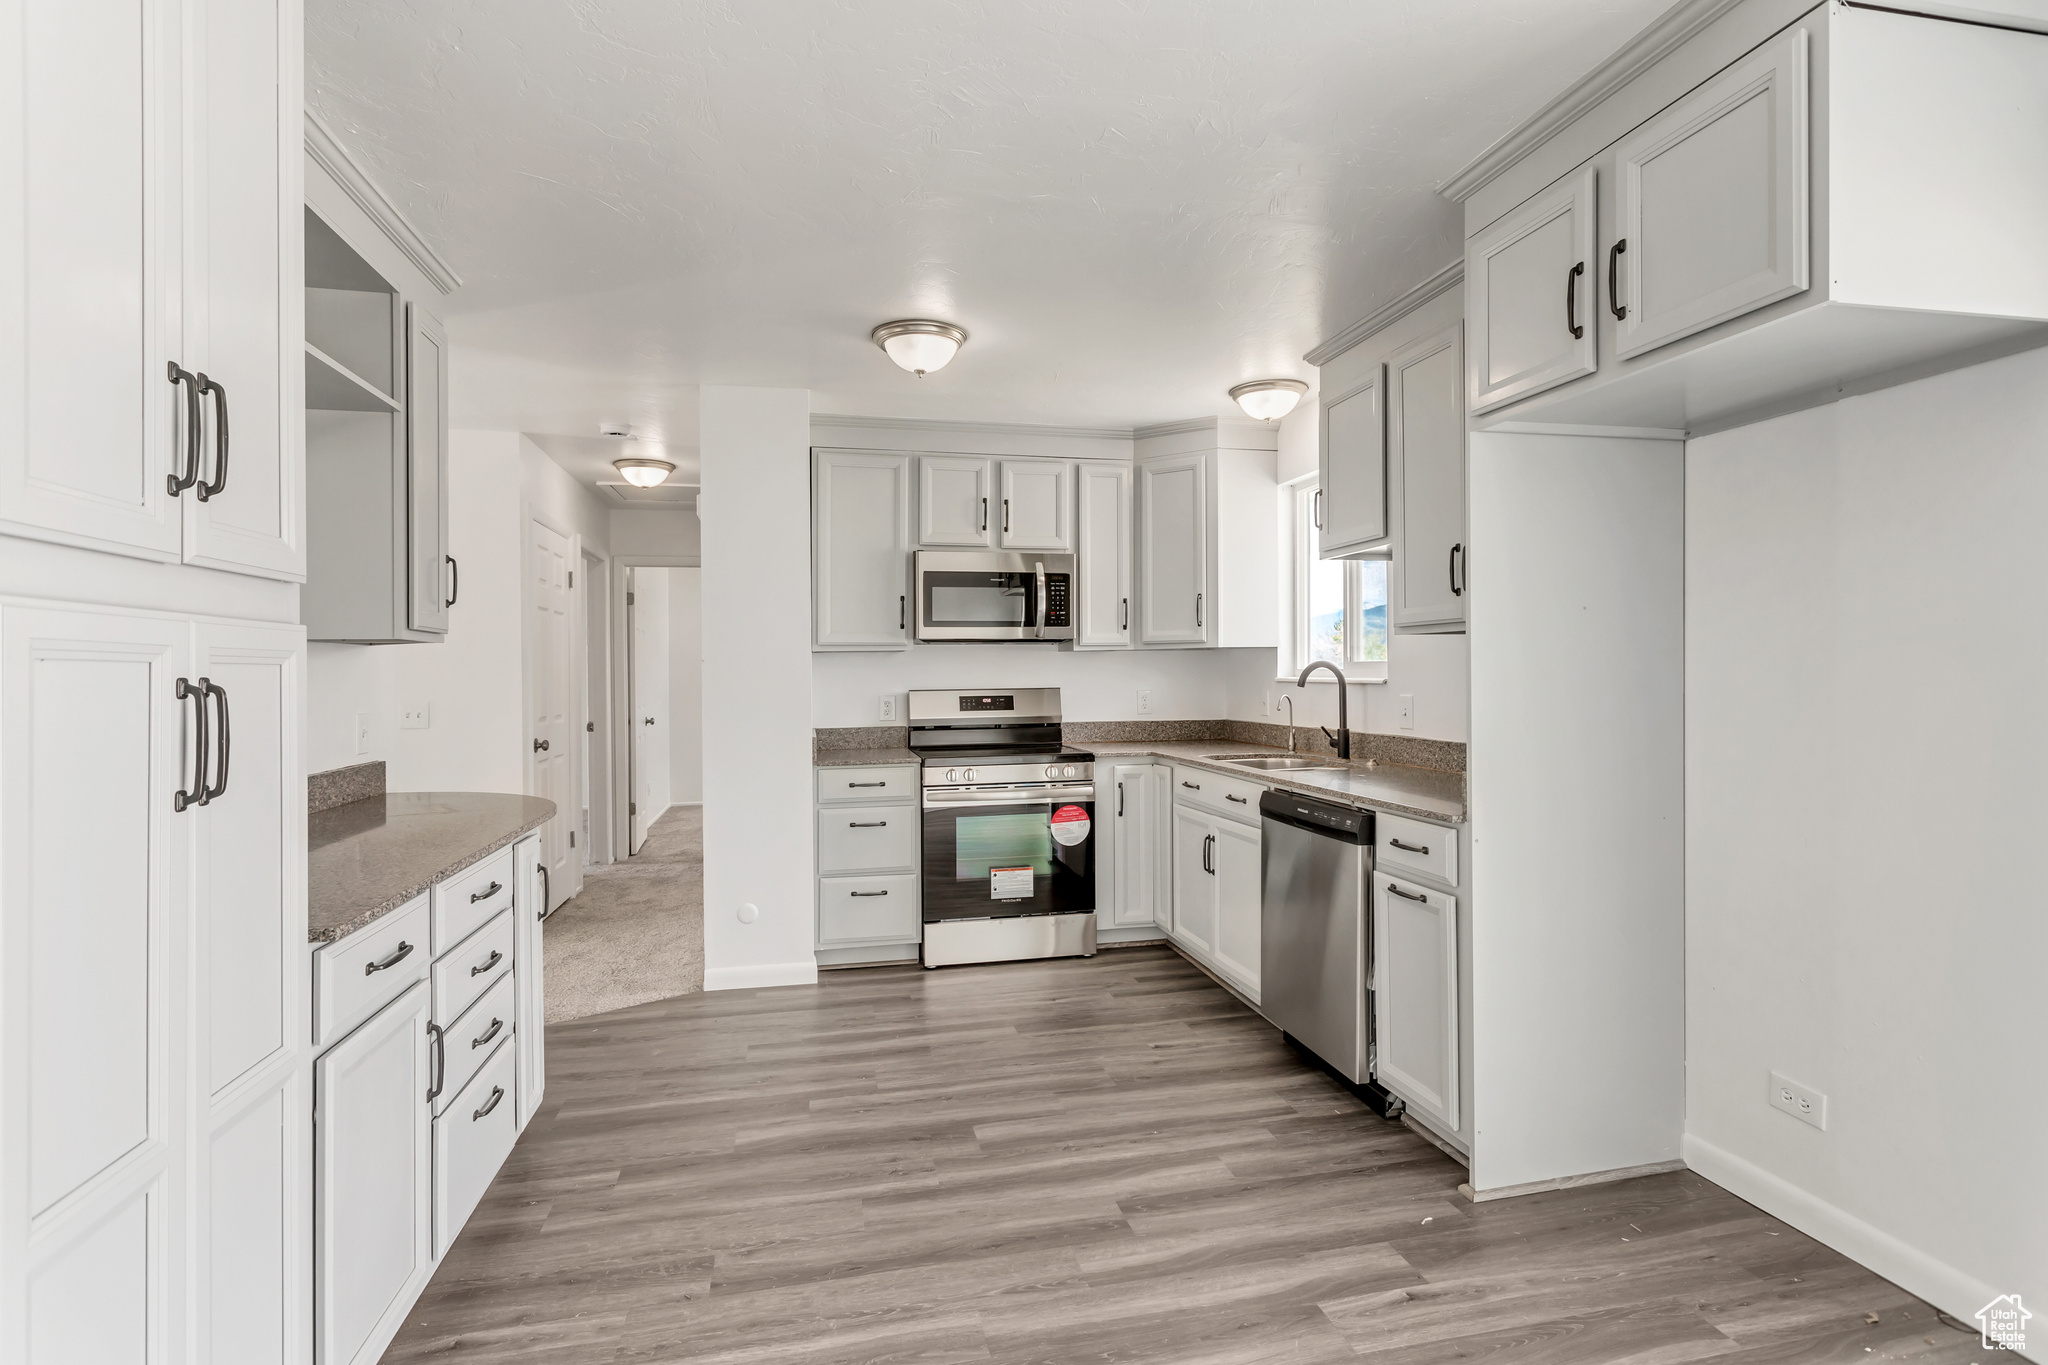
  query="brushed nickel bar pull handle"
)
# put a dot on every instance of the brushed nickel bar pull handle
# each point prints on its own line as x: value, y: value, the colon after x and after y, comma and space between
x: 1408, y: 848
x: 178, y: 483
x: 493, y: 889
x: 403, y: 952
x: 440, y: 1041
x: 493, y: 960
x: 1198, y: 611
x: 220, y: 439
x: 497, y: 1093
x: 487, y: 1035
x: 1406, y: 895
x: 181, y: 800
x: 221, y: 741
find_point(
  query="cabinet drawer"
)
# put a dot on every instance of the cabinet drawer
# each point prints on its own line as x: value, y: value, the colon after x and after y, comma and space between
x: 867, y: 839
x: 467, y: 900
x: 358, y: 976
x: 472, y: 1138
x: 867, y: 785
x: 1231, y: 796
x: 1413, y: 846
x: 473, y: 968
x: 856, y: 910
x: 471, y: 1040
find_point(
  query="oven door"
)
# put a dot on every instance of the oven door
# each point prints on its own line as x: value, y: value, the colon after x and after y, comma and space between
x: 999, y: 596
x: 1000, y: 852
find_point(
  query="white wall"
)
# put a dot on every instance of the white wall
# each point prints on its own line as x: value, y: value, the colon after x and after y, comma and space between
x: 1867, y: 591
x: 664, y: 533
x: 685, y: 686
x: 755, y: 448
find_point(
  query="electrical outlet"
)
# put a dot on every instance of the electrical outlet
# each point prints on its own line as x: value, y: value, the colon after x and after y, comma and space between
x: 888, y: 711
x: 1144, y: 701
x: 1802, y: 1102
x: 362, y: 733
x: 1407, y: 710
x: 420, y: 717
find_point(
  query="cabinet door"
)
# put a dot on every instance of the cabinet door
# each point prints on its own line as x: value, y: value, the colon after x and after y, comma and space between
x: 1714, y: 202
x: 953, y: 500
x: 95, y: 1075
x: 89, y: 237
x: 1036, y: 505
x: 372, y: 1181
x: 428, y: 575
x: 1426, y: 423
x: 529, y: 965
x: 1104, y: 529
x: 243, y: 155
x: 1415, y: 996
x: 1239, y: 922
x: 1530, y: 297
x: 1194, y: 882
x: 860, y: 553
x: 1352, y: 479
x: 1173, y: 551
x: 1134, y: 840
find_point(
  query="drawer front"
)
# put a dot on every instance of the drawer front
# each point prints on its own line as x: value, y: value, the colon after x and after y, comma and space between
x: 868, y: 785
x: 358, y: 976
x: 466, y: 901
x: 474, y: 967
x: 867, y: 839
x: 857, y: 910
x: 472, y: 1138
x: 1416, y: 846
x: 471, y: 1041
x: 1231, y: 796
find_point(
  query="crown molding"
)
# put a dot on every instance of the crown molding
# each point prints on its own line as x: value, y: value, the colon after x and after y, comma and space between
x: 337, y: 161
x: 1678, y: 25
x: 1445, y: 280
x: 829, y: 419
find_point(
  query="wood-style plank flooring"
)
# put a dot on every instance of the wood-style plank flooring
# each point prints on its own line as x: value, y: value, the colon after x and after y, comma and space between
x: 1105, y: 1159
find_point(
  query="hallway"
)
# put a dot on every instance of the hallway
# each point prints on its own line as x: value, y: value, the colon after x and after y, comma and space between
x: 636, y: 933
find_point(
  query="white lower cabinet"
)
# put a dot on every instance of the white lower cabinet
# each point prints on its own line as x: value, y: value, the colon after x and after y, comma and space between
x: 372, y: 1200
x: 1216, y: 894
x: 866, y: 828
x: 1131, y: 887
x: 1415, y: 996
x: 529, y: 910
x: 472, y: 1138
x: 1194, y: 884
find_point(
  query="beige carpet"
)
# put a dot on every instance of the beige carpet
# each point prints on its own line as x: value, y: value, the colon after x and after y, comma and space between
x: 636, y: 931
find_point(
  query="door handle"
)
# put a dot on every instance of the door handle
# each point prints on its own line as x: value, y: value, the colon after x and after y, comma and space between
x: 197, y: 796
x: 1241, y: 800
x: 220, y: 439
x: 863, y: 894
x: 1209, y: 854
x: 1423, y: 849
x: 1198, y: 611
x: 1614, y: 304
x: 440, y: 1061
x: 539, y: 745
x: 220, y: 778
x: 1406, y: 895
x: 1006, y: 516
x: 547, y: 890
x: 1571, y: 300
x: 984, y: 514
x: 1119, y: 800
x: 454, y: 580
x: 867, y: 784
x: 178, y: 483
x: 1127, y: 614
x: 497, y: 1093
x: 1192, y: 786
x: 398, y: 955
x: 493, y: 960
x: 648, y: 721
x: 493, y: 889
x: 902, y: 610
x: 1457, y: 555
x: 1317, y: 514
x: 486, y: 1035
x: 867, y: 824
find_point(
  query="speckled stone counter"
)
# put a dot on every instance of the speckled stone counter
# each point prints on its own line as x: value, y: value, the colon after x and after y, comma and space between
x: 1425, y: 793
x: 367, y: 858
x: 855, y: 758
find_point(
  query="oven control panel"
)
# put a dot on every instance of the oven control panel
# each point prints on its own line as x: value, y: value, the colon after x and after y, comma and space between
x: 1000, y: 774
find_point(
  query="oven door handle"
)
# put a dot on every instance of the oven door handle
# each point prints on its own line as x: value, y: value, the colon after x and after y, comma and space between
x: 1010, y: 796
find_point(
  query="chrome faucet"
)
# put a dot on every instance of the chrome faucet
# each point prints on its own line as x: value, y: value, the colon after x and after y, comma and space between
x: 1288, y: 697
x: 1341, y: 741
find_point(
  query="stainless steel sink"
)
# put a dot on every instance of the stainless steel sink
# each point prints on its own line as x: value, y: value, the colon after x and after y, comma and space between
x: 1269, y: 763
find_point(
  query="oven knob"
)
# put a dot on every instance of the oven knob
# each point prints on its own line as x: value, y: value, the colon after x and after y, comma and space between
x: 967, y: 776
x: 1052, y: 772
x: 1070, y: 770
x: 952, y: 774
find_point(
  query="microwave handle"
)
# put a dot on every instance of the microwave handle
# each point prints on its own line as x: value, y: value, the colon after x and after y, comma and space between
x: 1040, y: 577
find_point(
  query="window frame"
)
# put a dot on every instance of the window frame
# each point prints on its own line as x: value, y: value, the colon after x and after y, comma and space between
x: 1298, y: 538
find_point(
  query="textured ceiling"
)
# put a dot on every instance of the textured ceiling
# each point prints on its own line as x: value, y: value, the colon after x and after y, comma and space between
x: 1130, y: 206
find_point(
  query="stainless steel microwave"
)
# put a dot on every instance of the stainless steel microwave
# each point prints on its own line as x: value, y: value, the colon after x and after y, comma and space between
x: 994, y: 595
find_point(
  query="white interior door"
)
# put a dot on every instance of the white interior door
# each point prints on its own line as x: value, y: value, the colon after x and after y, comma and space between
x: 551, y: 748
x: 647, y: 618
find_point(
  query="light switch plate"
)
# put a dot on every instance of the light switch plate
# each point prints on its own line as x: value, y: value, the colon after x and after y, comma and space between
x: 362, y: 733
x: 420, y: 717
x: 1407, y: 710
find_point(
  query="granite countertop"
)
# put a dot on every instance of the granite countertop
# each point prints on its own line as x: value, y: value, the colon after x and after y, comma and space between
x: 855, y: 758
x: 368, y: 857
x: 1424, y: 793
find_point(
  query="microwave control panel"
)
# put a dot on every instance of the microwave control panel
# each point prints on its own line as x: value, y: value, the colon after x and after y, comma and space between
x: 1056, y: 601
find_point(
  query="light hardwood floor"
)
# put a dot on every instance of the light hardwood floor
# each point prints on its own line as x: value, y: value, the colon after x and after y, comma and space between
x: 1105, y: 1159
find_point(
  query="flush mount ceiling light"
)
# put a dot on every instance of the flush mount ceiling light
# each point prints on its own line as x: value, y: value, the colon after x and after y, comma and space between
x: 643, y: 473
x: 1269, y: 399
x: 920, y: 346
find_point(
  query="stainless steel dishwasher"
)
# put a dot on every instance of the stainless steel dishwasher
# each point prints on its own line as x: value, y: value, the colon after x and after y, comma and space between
x: 1316, y: 948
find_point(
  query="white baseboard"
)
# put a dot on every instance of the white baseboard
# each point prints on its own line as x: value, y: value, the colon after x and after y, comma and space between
x: 1569, y: 1182
x: 767, y: 974
x: 1956, y: 1292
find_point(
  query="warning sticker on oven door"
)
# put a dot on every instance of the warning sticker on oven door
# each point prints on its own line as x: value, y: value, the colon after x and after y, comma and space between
x: 1009, y: 883
x: 1070, y: 824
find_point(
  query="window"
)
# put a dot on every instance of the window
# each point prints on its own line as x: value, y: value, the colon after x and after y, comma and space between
x: 1337, y: 607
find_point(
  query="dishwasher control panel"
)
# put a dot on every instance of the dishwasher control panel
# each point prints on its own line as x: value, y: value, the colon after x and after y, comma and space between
x: 1346, y: 822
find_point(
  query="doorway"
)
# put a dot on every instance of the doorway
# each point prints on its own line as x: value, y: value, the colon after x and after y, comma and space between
x: 664, y: 667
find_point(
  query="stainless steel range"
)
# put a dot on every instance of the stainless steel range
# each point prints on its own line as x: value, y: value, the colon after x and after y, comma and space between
x: 1009, y: 828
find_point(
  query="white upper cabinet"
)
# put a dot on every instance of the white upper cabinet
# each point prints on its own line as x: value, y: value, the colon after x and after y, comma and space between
x: 1173, y: 550
x: 430, y: 580
x: 1531, y: 297
x: 1351, y: 506
x: 169, y: 197
x: 860, y: 550
x: 1103, y: 527
x: 1037, y: 506
x: 1713, y: 203
x: 953, y: 500
x: 1426, y: 430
